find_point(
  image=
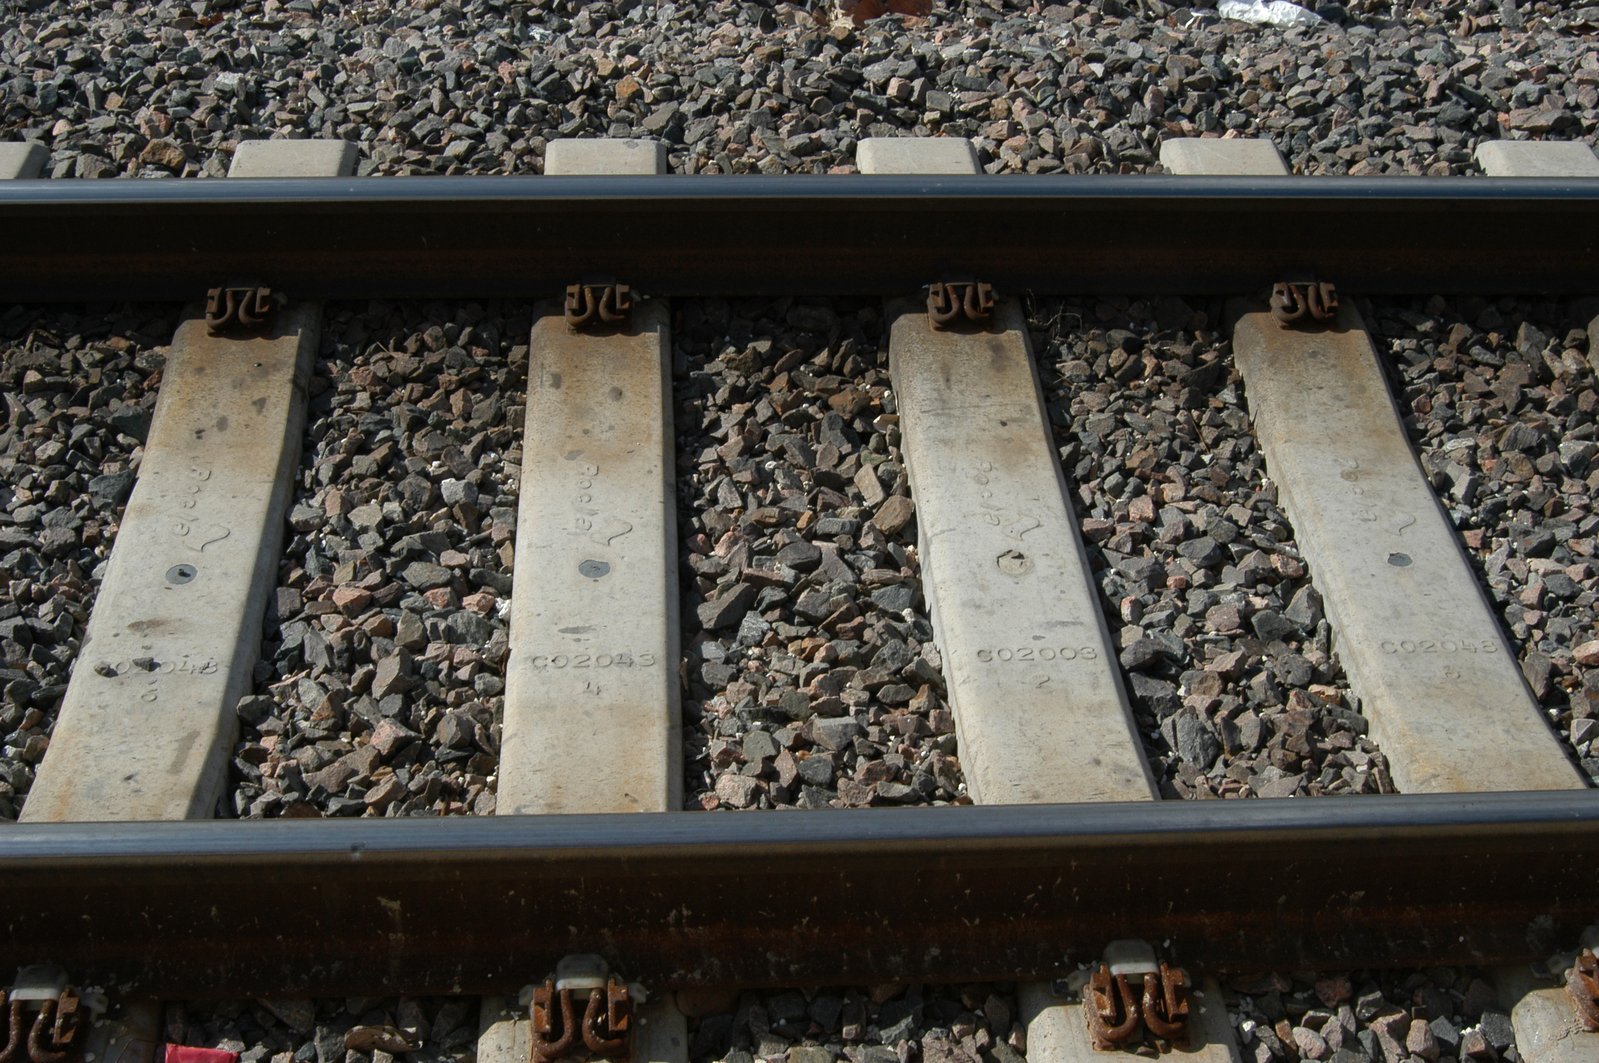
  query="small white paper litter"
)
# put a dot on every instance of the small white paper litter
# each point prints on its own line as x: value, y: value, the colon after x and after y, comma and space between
x: 1279, y: 13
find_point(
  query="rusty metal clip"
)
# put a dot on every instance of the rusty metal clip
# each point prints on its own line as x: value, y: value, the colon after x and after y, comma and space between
x: 230, y: 311
x: 1111, y: 1009
x: 1166, y: 1004
x: 1582, y: 982
x: 606, y: 1027
x: 590, y: 306
x: 15, y: 1019
x: 55, y: 1033
x: 953, y: 305
x: 1303, y: 302
x: 1118, y: 1015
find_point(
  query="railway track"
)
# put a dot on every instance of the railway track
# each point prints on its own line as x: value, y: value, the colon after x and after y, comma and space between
x: 1069, y: 850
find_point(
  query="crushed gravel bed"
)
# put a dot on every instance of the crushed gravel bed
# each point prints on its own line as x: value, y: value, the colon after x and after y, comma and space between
x: 1221, y: 634
x: 78, y: 389
x: 884, y: 1024
x: 732, y: 86
x: 1500, y: 398
x: 812, y: 678
x: 349, y: 1030
x: 382, y: 671
x: 1435, y: 1014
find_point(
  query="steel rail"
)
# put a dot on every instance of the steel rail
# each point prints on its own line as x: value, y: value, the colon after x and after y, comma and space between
x: 475, y: 905
x: 395, y: 237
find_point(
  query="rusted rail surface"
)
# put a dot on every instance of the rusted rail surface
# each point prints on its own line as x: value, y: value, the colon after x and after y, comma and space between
x: 674, y: 899
x: 708, y: 235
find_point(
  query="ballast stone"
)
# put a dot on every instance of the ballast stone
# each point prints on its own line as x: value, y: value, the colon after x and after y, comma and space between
x: 721, y: 612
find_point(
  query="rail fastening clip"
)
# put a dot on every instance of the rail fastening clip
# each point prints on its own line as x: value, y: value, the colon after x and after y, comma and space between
x: 44, y: 1020
x: 584, y: 1009
x: 1118, y: 1013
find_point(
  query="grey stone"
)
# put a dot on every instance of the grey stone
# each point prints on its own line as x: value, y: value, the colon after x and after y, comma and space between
x: 727, y: 609
x: 1142, y: 654
x: 458, y: 492
x: 455, y: 731
x: 1271, y: 626
x: 425, y: 575
x: 834, y: 733
x: 1305, y: 610
x: 897, y: 1018
x: 297, y: 1013
x: 1496, y: 1027
x: 897, y: 597
x: 1195, y: 743
x: 800, y: 556
x: 758, y: 745
x: 393, y: 675
x: 112, y: 488
x: 469, y: 628
x: 330, y: 1045
x: 1203, y: 551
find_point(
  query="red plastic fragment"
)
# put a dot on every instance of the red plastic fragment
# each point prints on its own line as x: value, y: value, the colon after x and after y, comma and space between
x: 190, y: 1054
x: 861, y: 11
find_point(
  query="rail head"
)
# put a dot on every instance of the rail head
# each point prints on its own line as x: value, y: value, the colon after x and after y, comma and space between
x: 471, y: 905
x: 396, y: 237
